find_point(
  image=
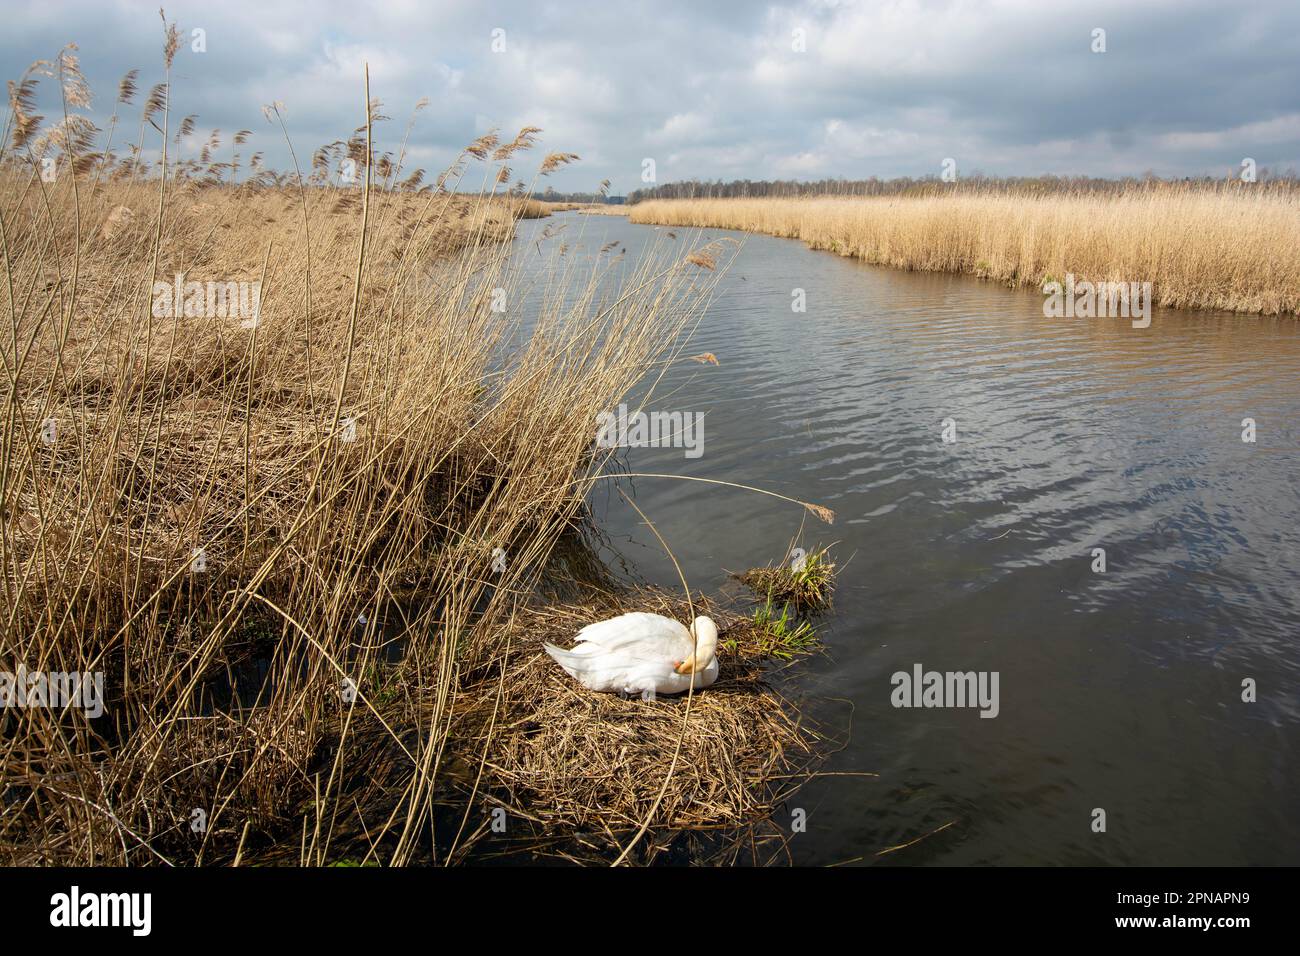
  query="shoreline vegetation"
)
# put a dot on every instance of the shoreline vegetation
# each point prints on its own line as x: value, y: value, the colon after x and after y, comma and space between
x: 314, y: 549
x: 1228, y: 246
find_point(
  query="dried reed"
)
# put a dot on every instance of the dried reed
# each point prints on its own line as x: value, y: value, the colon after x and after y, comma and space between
x: 1231, y: 247
x: 277, y: 535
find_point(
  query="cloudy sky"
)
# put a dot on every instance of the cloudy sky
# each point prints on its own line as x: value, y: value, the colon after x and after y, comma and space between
x: 712, y: 89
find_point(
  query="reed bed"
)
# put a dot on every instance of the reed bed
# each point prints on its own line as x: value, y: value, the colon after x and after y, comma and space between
x: 297, y: 545
x: 1231, y: 247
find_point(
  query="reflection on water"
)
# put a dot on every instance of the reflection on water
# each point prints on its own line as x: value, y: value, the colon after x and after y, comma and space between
x: 1119, y: 690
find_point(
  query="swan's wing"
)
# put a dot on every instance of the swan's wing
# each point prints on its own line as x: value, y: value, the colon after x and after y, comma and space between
x: 640, y: 635
x: 631, y: 652
x: 610, y: 671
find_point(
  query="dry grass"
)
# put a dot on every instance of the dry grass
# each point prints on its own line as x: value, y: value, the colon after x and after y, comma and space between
x: 591, y: 766
x: 536, y: 209
x: 346, y: 464
x: 605, y: 209
x: 1232, y: 248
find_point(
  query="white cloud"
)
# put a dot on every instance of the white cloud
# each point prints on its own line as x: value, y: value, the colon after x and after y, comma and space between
x: 716, y: 91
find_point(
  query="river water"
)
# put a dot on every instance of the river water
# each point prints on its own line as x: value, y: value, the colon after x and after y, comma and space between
x: 1118, y: 690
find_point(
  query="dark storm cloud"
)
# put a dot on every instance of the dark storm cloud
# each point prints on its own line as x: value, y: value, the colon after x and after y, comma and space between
x: 718, y: 90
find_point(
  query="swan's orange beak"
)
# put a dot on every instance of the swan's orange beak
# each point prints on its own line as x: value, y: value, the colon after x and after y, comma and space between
x: 686, y: 666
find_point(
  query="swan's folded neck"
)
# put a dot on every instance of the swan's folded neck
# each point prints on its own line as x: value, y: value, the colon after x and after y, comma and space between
x: 705, y: 633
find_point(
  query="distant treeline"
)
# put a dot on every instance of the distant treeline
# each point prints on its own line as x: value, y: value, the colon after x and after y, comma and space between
x: 550, y: 195
x: 932, y: 185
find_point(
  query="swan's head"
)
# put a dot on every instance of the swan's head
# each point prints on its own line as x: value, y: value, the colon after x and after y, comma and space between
x: 705, y: 633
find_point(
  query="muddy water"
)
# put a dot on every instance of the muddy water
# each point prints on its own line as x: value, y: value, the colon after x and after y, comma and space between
x: 1118, y: 690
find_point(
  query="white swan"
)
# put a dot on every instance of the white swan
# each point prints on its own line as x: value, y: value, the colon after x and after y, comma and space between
x: 644, y: 654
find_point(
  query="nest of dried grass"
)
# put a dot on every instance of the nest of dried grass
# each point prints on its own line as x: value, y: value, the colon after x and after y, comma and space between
x: 591, y: 765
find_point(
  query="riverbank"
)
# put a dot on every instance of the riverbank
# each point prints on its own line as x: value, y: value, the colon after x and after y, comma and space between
x: 1228, y: 248
x: 302, y: 529
x: 285, y: 468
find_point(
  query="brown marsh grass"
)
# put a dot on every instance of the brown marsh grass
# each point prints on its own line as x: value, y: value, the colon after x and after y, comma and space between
x: 277, y: 538
x: 605, y: 209
x: 1231, y: 247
